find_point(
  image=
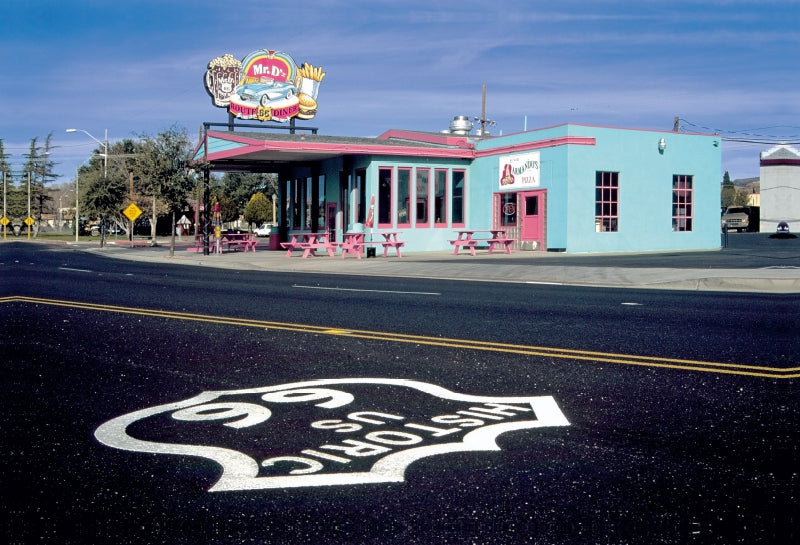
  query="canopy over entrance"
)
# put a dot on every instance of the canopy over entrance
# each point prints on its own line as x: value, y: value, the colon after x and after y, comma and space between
x: 262, y: 151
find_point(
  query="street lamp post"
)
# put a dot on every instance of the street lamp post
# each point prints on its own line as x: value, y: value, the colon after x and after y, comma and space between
x: 104, y: 143
x: 77, y: 216
x: 28, y: 217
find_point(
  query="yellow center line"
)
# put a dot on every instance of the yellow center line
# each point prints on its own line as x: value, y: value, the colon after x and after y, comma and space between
x: 469, y: 344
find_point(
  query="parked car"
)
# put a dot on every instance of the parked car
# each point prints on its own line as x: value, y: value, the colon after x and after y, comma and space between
x: 264, y: 230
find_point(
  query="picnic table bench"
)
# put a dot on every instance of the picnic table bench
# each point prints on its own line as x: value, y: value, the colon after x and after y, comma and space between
x: 309, y: 243
x: 354, y: 243
x: 466, y: 239
x: 235, y: 241
x: 229, y: 241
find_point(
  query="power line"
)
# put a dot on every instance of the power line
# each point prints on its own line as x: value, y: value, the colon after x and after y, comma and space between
x: 749, y: 136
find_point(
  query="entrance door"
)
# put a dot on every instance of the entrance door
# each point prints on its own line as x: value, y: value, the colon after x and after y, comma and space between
x: 330, y: 220
x: 532, y: 217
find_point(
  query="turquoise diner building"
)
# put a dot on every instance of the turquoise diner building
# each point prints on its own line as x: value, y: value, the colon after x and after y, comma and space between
x: 568, y: 188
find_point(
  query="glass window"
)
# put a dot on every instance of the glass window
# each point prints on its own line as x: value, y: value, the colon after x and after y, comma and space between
x: 297, y: 204
x: 532, y: 206
x: 682, y: 203
x: 361, y: 187
x: 606, y: 213
x: 423, y: 186
x: 384, y: 196
x: 440, y: 192
x: 508, y: 209
x: 403, y: 196
x: 307, y: 204
x: 457, y: 199
x: 321, y: 202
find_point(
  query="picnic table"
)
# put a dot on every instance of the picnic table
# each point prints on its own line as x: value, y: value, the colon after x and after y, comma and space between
x: 309, y: 242
x: 467, y: 239
x: 229, y: 241
x: 354, y: 243
x: 234, y: 241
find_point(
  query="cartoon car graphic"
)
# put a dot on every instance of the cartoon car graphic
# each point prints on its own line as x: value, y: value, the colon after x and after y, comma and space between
x: 266, y: 90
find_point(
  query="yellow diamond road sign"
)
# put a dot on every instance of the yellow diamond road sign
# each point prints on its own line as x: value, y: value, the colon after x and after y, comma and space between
x: 4, y: 221
x: 132, y: 212
x: 29, y: 221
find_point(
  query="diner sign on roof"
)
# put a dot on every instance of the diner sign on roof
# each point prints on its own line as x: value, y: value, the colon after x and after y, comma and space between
x: 266, y: 85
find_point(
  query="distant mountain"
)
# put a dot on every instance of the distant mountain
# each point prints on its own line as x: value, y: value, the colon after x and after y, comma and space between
x: 751, y: 185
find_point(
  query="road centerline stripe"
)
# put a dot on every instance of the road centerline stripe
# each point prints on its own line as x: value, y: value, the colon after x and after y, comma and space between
x: 467, y: 344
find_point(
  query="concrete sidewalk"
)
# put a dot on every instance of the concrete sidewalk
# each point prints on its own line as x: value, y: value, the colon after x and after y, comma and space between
x: 519, y: 267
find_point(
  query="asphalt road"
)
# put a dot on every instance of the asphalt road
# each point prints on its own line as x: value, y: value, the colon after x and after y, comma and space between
x: 411, y: 412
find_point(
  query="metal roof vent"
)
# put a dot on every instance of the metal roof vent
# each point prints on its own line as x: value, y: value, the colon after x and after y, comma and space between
x: 460, y: 124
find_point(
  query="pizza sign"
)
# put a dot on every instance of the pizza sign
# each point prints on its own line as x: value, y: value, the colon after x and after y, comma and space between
x: 266, y: 85
x: 519, y: 171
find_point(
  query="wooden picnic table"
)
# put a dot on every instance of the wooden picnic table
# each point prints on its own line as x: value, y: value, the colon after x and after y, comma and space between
x: 234, y: 241
x: 229, y: 241
x: 354, y: 243
x: 309, y: 242
x: 466, y: 239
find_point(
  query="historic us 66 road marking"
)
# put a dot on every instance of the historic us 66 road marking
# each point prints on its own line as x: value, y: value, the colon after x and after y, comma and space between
x: 352, y: 431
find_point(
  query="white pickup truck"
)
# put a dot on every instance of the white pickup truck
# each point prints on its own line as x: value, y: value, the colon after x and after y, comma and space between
x: 736, y: 217
x: 264, y: 230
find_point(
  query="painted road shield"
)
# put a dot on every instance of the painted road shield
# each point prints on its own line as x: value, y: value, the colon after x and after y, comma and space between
x: 326, y: 432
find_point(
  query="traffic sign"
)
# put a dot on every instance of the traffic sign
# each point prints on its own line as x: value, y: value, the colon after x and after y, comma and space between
x: 132, y: 212
x: 29, y: 221
x: 4, y: 221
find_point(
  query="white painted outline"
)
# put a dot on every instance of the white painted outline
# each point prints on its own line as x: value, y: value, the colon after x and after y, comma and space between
x: 240, y: 472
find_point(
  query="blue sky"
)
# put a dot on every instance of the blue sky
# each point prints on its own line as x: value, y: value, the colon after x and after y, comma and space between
x: 136, y: 67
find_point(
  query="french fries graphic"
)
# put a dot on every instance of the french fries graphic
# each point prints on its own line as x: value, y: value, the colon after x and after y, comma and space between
x: 308, y: 71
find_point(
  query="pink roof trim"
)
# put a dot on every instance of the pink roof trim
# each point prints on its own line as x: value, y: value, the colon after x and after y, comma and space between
x: 334, y: 148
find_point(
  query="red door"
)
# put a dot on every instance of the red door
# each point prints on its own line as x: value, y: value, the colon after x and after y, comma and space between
x: 532, y: 204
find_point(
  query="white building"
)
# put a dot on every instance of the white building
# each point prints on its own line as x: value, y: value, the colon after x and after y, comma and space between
x: 780, y: 188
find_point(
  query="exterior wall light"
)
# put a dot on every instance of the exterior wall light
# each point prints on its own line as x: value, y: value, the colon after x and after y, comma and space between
x: 662, y: 145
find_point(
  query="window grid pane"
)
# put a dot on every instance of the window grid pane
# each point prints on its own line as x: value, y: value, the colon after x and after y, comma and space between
x: 607, y: 201
x: 682, y: 202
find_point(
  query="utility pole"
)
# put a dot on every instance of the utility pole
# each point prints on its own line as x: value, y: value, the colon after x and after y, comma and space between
x: 28, y: 218
x: 482, y: 119
x: 5, y: 219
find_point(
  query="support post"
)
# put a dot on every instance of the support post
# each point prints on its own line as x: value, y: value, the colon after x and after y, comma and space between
x: 206, y: 206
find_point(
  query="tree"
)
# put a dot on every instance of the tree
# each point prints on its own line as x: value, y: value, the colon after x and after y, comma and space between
x: 4, y: 165
x: 7, y: 180
x: 102, y: 199
x: 728, y: 191
x: 39, y: 172
x: 46, y: 177
x: 258, y: 210
x: 159, y: 171
x: 240, y: 187
x: 227, y: 208
x: 103, y: 184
